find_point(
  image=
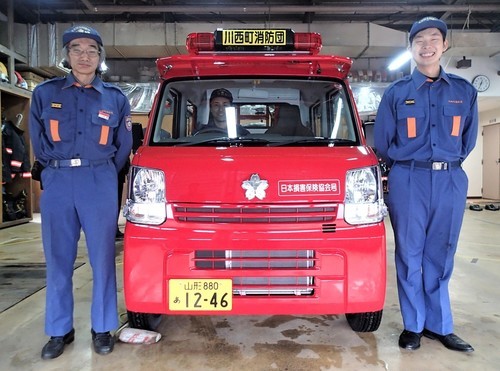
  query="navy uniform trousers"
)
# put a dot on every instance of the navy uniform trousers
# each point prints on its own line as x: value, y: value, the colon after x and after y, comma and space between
x: 426, y: 210
x: 75, y: 199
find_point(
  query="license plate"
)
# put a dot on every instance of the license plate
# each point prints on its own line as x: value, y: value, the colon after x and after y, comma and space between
x: 193, y: 294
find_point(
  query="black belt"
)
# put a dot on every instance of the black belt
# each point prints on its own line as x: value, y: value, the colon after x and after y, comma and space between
x: 432, y: 165
x: 75, y: 162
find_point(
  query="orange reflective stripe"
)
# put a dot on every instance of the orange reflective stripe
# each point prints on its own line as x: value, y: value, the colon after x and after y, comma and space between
x: 411, y: 123
x: 456, y: 126
x: 104, y: 135
x: 54, y: 130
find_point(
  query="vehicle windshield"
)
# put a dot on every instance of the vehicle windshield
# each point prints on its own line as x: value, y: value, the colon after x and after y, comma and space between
x: 270, y: 112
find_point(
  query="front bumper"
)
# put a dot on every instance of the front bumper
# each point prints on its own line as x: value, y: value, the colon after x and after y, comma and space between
x: 346, y: 272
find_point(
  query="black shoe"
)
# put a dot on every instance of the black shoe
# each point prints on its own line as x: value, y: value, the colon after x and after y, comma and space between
x: 492, y: 207
x: 475, y: 207
x: 103, y: 342
x: 55, y: 346
x: 450, y: 341
x: 410, y: 340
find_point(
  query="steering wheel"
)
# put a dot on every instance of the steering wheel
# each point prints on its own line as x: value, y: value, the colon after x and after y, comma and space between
x: 211, y: 130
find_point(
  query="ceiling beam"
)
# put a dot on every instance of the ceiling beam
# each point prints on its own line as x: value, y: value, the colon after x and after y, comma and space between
x: 283, y: 9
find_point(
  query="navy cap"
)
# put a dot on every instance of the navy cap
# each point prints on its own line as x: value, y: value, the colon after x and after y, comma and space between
x: 224, y: 93
x: 77, y: 32
x: 428, y: 22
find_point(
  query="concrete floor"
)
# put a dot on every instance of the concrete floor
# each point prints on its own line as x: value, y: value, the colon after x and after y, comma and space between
x: 258, y: 342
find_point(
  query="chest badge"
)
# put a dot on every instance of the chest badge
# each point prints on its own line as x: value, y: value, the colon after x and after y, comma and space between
x: 255, y: 187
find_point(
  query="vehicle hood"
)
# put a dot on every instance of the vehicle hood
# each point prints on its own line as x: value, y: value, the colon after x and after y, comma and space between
x: 255, y: 175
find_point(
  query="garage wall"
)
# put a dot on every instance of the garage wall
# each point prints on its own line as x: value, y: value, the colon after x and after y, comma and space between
x: 473, y: 166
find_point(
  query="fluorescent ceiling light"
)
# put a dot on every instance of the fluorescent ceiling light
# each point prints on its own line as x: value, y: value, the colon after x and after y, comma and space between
x: 399, y: 61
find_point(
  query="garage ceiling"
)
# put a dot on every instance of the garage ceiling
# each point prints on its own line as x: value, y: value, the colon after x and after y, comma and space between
x: 483, y: 15
x: 338, y: 21
x: 476, y: 16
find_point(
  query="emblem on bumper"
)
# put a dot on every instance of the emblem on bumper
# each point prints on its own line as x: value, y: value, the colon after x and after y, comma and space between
x: 255, y: 187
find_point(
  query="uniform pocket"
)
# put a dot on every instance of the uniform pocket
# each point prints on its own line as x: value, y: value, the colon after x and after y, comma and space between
x: 454, y: 117
x: 46, y: 177
x: 409, y: 121
x: 103, y: 125
x: 58, y: 125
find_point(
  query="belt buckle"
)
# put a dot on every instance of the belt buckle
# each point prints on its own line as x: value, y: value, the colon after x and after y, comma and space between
x: 75, y: 162
x: 439, y: 166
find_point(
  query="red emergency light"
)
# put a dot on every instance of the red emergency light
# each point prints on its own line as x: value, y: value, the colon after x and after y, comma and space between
x: 254, y: 40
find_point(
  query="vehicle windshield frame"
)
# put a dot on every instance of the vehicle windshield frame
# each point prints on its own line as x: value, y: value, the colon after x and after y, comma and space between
x: 265, y: 111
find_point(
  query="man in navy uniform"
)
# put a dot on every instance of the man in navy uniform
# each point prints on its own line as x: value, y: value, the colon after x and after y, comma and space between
x: 220, y: 99
x: 80, y: 128
x: 426, y: 125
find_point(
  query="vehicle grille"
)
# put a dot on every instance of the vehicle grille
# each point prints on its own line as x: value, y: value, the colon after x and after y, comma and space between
x: 262, y: 261
x: 304, y: 213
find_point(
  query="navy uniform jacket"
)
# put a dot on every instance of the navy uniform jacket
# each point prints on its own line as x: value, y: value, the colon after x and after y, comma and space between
x: 15, y: 156
x: 422, y: 120
x: 70, y: 121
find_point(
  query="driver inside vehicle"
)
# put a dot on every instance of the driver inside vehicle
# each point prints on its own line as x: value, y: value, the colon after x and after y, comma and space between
x: 220, y: 99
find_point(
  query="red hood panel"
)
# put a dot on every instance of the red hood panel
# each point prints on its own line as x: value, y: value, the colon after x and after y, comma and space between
x: 224, y: 175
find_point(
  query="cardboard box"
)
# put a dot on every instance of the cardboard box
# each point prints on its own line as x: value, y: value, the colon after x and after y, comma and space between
x: 32, y: 77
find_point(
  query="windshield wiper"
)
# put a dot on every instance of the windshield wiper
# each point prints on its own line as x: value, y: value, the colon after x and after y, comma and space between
x: 316, y: 141
x: 224, y: 140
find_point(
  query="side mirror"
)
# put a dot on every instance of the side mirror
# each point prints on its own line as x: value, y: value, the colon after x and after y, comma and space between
x: 137, y: 136
x: 368, y: 128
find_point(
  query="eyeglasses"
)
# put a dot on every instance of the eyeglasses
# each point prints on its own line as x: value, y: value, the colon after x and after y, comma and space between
x: 91, y: 53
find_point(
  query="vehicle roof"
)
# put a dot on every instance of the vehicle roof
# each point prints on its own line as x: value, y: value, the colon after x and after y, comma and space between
x: 254, y: 64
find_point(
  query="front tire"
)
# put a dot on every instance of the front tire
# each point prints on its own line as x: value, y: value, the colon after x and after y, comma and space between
x: 364, y: 322
x: 144, y: 321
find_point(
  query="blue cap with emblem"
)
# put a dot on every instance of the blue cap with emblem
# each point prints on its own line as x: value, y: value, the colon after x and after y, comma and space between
x: 428, y: 22
x: 77, y: 32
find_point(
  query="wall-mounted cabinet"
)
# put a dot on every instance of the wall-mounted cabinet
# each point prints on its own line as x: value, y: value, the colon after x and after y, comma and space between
x: 16, y: 196
x: 16, y: 205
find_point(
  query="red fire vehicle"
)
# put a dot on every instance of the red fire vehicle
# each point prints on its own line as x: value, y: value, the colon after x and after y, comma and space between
x: 286, y: 218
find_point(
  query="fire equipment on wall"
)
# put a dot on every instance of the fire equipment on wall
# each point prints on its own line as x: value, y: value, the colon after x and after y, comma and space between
x: 15, y: 164
x: 15, y: 156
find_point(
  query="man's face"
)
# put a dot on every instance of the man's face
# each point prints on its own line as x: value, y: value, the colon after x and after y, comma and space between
x: 218, y: 110
x: 83, y: 56
x: 428, y: 46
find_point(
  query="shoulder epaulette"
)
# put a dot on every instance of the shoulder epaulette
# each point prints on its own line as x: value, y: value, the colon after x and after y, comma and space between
x: 110, y: 85
x: 52, y: 80
x: 456, y: 77
x: 404, y: 79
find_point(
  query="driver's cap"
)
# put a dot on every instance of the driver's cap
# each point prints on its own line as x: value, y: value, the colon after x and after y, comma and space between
x: 221, y: 92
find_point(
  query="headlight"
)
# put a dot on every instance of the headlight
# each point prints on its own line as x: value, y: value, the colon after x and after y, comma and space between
x: 364, y: 203
x: 146, y: 197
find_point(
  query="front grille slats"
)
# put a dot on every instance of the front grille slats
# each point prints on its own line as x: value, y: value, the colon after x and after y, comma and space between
x: 256, y: 213
x: 256, y: 263
x: 273, y: 286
